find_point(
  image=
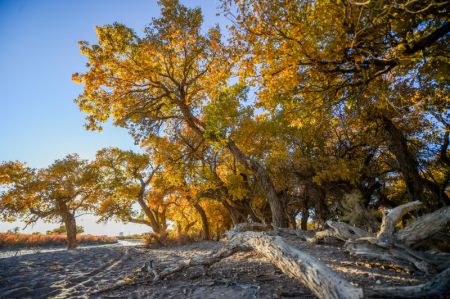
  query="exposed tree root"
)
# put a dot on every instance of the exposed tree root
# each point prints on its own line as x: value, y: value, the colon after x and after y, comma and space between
x: 205, y: 261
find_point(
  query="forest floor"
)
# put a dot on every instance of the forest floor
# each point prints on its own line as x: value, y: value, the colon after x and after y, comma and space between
x: 82, y: 272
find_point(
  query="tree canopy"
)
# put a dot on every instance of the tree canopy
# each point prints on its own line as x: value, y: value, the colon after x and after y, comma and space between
x: 56, y: 193
x: 303, y: 112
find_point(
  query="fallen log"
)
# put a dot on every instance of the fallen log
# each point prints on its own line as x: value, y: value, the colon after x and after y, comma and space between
x: 424, y: 227
x: 315, y: 275
x: 401, y: 256
x: 438, y: 287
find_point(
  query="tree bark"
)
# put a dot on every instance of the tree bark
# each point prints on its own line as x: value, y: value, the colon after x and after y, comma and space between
x: 341, y: 231
x: 315, y: 275
x: 384, y: 246
x: 233, y: 212
x: 205, y: 225
x: 153, y: 223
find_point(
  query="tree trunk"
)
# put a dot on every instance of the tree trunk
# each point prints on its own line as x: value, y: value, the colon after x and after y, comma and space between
x: 69, y: 222
x: 279, y: 218
x: 71, y: 230
x: 205, y: 225
x: 314, y: 274
x: 188, y: 226
x: 153, y: 223
x: 408, y: 165
x: 304, y: 220
x: 234, y: 213
x: 384, y: 246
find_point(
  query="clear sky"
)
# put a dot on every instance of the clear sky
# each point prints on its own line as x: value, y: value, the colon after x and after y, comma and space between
x: 38, y: 54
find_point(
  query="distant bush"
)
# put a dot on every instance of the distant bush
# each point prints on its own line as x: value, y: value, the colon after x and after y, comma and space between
x: 35, y: 240
x: 14, y: 230
x: 169, y: 238
x: 131, y: 237
x: 62, y: 230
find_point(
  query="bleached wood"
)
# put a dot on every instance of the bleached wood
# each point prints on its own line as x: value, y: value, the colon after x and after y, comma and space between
x: 391, y: 218
x: 328, y: 233
x: 397, y: 254
x: 247, y: 226
x: 424, y: 227
x: 315, y: 275
x: 341, y: 231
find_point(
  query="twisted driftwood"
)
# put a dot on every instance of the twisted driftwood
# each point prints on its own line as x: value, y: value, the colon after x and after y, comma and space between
x: 388, y: 245
x: 424, y: 227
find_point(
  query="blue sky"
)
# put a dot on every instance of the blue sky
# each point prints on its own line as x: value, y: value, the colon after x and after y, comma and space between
x: 38, y: 54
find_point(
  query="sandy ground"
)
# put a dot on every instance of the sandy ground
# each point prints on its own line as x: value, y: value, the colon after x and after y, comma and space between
x: 79, y: 273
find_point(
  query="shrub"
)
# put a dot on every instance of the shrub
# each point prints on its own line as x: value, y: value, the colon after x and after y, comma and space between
x: 39, y: 240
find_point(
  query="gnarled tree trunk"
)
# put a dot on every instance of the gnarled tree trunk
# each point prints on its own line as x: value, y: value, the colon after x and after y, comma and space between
x: 71, y: 230
x: 205, y: 225
x: 69, y: 222
x: 304, y: 220
x: 235, y: 215
x: 408, y: 165
x: 277, y: 206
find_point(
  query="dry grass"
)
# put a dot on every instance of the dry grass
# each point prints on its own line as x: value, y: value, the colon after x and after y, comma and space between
x: 153, y: 240
x: 24, y: 240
